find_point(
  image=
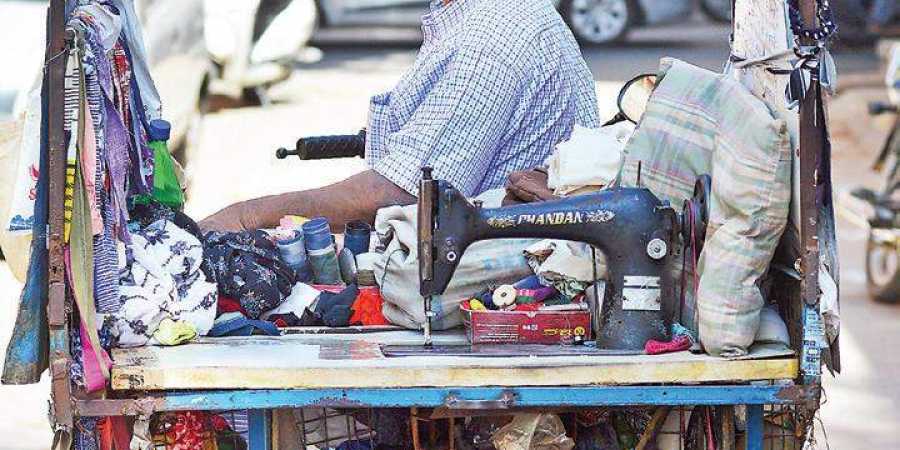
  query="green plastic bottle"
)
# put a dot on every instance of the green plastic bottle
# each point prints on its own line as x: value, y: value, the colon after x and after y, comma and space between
x: 166, y: 188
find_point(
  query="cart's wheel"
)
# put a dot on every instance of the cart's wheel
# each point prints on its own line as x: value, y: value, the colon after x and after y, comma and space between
x: 882, y: 270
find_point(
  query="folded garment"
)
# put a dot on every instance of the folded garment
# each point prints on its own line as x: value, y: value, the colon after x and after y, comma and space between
x: 171, y: 332
x: 248, y: 267
x: 160, y: 278
x: 227, y: 305
x: 589, y: 160
x: 235, y: 324
x: 565, y: 265
x: 367, y: 308
x: 285, y: 320
x: 335, y: 310
x: 302, y: 297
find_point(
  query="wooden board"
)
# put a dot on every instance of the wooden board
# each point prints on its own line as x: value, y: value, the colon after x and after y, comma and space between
x: 346, y: 361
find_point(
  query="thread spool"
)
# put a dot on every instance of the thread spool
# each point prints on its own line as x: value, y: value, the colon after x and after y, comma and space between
x: 505, y: 295
x: 321, y: 251
x: 347, y: 263
x: 292, y: 249
x: 357, y: 235
x: 539, y: 295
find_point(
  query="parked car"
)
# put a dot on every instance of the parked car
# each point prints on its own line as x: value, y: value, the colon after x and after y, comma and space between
x: 592, y: 21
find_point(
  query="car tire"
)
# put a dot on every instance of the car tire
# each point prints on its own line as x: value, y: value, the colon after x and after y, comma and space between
x: 716, y: 10
x: 618, y: 17
x: 882, y: 271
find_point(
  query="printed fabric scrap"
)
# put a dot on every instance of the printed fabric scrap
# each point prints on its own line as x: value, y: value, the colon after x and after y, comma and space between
x: 161, y: 279
x: 248, y: 268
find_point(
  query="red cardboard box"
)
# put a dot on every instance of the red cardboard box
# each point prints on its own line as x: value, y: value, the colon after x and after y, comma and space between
x: 526, y: 327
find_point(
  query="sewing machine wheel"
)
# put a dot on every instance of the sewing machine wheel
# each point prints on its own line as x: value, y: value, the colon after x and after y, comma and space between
x: 695, y: 214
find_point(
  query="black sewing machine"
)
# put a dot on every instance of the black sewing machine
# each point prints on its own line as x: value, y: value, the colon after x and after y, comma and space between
x: 630, y: 226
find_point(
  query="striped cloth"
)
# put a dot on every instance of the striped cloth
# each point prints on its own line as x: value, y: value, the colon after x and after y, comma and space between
x: 699, y: 122
x: 496, y: 85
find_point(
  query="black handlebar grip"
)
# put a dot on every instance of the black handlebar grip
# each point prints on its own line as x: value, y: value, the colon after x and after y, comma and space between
x: 327, y: 147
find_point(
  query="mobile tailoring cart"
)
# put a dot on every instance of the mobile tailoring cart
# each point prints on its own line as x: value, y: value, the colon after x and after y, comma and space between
x: 346, y: 370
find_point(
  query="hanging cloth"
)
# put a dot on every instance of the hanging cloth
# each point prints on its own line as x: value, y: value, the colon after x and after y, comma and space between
x: 149, y: 96
x: 28, y: 349
x: 80, y: 252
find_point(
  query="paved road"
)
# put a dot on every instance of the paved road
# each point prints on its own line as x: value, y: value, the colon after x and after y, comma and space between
x: 235, y: 161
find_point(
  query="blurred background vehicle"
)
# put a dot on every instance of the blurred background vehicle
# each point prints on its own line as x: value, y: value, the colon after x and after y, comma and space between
x: 716, y: 10
x: 854, y: 18
x: 255, y: 44
x: 592, y: 21
x: 175, y: 46
x: 177, y: 55
x: 880, y: 212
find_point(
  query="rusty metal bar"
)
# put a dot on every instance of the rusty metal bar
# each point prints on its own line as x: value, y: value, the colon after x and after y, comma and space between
x: 811, y: 142
x: 59, y: 41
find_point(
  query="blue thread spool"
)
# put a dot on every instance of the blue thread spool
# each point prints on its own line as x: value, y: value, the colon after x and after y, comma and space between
x: 357, y: 235
x: 321, y: 252
x: 293, y: 252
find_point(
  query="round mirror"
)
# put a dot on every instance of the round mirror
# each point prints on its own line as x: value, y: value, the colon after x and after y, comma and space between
x: 634, y: 96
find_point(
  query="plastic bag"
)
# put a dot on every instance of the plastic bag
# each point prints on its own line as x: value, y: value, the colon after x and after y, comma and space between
x: 533, y: 432
x: 16, y: 245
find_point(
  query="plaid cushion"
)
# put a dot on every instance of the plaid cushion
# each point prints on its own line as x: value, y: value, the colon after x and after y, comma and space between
x: 700, y: 122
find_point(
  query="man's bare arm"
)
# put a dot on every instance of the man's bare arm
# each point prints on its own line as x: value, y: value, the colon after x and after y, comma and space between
x: 356, y: 198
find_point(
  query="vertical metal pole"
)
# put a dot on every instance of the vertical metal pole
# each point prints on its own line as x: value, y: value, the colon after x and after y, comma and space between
x: 260, y: 429
x: 811, y: 143
x: 755, y: 427
x: 57, y: 311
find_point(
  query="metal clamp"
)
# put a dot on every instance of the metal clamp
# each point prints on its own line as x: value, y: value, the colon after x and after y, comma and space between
x: 507, y: 400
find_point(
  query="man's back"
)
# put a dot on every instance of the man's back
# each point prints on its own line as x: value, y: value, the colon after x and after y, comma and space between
x: 495, y: 86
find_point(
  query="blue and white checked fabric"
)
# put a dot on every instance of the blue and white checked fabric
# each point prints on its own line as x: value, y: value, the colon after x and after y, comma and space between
x: 496, y: 85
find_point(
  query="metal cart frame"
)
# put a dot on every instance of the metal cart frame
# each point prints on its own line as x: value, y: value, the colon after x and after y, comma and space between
x: 67, y: 405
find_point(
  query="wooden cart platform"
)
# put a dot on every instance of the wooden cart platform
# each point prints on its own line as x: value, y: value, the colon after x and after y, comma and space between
x: 356, y: 361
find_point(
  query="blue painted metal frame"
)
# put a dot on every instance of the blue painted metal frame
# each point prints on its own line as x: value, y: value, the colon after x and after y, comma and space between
x: 437, y: 397
x: 260, y: 437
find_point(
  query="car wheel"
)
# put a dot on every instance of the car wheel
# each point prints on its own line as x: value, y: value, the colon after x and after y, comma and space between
x: 600, y: 21
x: 882, y: 270
x: 717, y: 10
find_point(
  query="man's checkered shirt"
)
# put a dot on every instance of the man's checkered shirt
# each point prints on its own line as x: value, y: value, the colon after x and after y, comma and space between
x: 496, y: 85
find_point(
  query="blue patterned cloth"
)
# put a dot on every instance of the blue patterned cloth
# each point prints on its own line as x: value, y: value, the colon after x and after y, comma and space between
x: 496, y: 84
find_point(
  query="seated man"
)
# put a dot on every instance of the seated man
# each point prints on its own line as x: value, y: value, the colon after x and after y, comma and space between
x: 496, y: 84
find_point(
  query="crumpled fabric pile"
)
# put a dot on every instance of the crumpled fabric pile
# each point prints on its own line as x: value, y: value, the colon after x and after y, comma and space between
x: 565, y: 265
x: 160, y: 278
x: 248, y: 268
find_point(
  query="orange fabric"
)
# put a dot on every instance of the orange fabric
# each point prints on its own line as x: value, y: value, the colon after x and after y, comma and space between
x: 367, y: 308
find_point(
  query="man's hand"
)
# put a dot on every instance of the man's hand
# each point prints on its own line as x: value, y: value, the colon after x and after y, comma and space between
x: 227, y: 219
x: 356, y: 198
x: 527, y: 186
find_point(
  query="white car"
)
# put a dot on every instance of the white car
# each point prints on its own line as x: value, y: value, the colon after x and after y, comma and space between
x: 592, y: 21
